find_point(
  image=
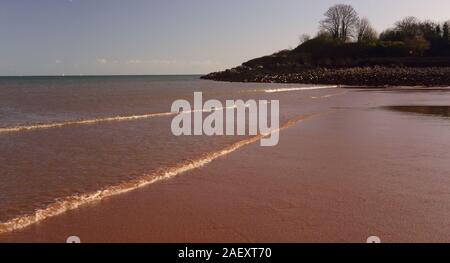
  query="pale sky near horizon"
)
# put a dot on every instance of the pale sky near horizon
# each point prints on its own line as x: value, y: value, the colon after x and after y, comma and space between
x: 54, y: 37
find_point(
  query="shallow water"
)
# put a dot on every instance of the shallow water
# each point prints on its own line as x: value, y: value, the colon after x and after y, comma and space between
x: 436, y: 110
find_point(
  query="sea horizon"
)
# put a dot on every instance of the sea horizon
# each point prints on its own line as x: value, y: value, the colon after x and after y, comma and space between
x: 101, y: 75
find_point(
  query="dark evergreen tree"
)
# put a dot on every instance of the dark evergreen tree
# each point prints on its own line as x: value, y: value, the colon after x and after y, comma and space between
x: 438, y: 31
x: 446, y: 32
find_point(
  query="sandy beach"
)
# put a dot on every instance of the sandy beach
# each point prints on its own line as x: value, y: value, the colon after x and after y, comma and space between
x: 342, y: 176
x: 248, y: 128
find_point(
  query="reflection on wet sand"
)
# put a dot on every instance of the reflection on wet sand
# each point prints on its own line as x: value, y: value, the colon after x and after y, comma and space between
x: 442, y: 111
x: 399, y: 89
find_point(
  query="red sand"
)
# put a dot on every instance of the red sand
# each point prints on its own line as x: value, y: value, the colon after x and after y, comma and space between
x: 340, y: 177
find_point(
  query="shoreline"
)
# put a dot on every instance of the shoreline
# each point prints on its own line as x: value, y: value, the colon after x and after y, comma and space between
x: 315, y: 186
x: 354, y: 76
x: 74, y: 202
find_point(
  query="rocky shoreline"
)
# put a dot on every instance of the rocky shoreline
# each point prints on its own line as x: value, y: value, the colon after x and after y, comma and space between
x: 355, y: 76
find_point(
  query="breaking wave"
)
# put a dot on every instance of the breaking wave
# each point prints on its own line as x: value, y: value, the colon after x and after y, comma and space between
x: 299, y: 88
x: 94, y: 121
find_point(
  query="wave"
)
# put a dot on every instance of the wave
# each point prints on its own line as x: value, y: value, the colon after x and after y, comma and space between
x: 298, y: 89
x: 81, y: 122
x: 42, y: 126
x: 75, y: 201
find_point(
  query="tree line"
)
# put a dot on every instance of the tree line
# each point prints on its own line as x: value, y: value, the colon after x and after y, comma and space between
x: 411, y: 35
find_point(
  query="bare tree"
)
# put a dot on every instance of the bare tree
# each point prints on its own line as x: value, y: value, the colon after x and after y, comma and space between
x: 332, y: 22
x: 324, y: 34
x: 303, y: 38
x: 349, y: 21
x: 409, y: 26
x: 364, y: 31
x: 340, y: 21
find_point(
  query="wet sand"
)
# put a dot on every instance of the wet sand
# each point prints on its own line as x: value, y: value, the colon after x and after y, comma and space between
x: 337, y: 177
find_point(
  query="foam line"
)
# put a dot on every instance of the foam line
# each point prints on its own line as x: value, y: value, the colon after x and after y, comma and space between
x: 299, y: 89
x: 95, y: 121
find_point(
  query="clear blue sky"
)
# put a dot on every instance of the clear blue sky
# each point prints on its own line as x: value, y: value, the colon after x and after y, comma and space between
x: 53, y: 37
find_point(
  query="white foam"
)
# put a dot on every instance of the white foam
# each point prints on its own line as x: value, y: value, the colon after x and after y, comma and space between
x: 299, y: 89
x: 95, y: 121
